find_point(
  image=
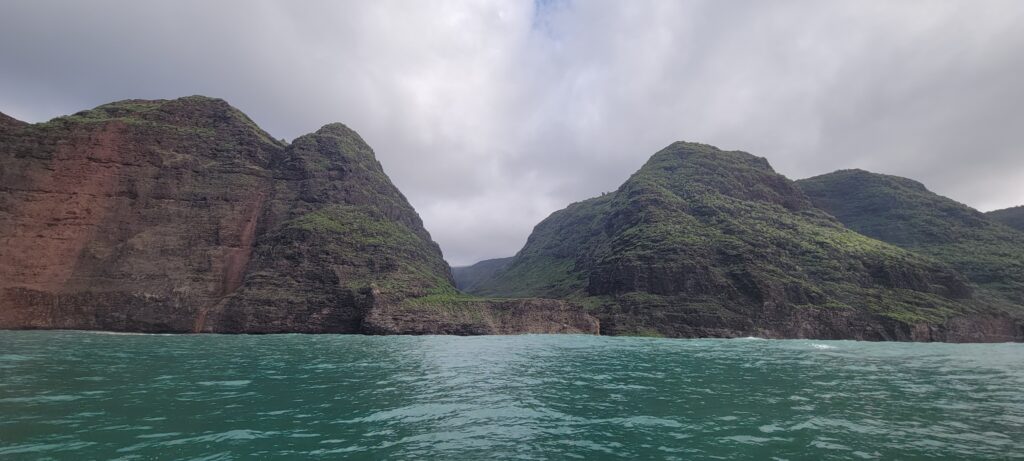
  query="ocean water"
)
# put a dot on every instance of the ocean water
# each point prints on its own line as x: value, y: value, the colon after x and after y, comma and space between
x: 82, y: 395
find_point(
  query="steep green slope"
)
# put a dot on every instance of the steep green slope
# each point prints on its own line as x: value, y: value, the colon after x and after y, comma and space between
x: 1013, y: 217
x: 339, y: 237
x: 704, y: 242
x: 467, y: 278
x: 905, y: 213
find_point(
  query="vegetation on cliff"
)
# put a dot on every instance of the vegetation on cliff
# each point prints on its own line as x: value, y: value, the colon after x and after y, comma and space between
x: 1013, y: 217
x: 468, y: 277
x: 905, y: 213
x: 184, y: 215
x: 705, y: 241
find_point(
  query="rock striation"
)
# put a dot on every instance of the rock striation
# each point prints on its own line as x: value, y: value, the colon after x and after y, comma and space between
x: 703, y: 242
x: 184, y: 216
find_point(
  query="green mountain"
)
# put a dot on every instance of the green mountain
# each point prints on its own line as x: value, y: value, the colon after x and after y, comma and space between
x: 184, y: 216
x: 905, y: 213
x: 468, y: 278
x: 705, y: 242
x: 1013, y: 217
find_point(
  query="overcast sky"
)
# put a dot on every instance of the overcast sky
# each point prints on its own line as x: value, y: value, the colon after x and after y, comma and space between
x: 490, y: 115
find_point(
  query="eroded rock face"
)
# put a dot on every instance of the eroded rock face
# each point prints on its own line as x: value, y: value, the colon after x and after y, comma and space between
x: 184, y: 216
x: 129, y: 216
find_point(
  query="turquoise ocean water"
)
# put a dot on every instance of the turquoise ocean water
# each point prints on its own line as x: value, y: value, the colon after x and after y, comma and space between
x: 83, y: 395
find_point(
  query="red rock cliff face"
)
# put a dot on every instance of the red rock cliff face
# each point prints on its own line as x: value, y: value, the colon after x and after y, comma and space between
x: 184, y: 216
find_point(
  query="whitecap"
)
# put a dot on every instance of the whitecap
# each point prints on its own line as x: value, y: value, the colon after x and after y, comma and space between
x: 748, y: 439
x: 239, y: 382
x: 13, y: 358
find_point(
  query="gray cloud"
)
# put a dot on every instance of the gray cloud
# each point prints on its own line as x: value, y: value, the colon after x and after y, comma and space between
x: 489, y: 115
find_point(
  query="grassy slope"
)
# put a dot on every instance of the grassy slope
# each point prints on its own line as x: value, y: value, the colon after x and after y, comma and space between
x: 378, y: 251
x: 468, y: 277
x: 1013, y: 217
x: 905, y: 213
x: 349, y: 222
x: 199, y: 115
x: 703, y: 228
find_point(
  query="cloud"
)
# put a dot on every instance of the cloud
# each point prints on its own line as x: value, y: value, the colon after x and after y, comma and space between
x: 489, y: 115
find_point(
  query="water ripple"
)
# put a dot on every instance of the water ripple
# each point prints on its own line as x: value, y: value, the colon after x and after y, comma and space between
x: 78, y: 395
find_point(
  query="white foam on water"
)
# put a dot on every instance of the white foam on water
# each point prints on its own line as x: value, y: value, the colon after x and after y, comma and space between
x: 238, y: 382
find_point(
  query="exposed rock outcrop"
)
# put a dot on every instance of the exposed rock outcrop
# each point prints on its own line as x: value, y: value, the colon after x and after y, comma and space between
x: 130, y: 216
x: 184, y: 216
x: 481, y: 317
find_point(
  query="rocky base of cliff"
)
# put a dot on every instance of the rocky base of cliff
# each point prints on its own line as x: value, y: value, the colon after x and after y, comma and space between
x: 28, y: 309
x: 799, y: 322
x: 481, y: 317
x: 135, y: 312
x: 127, y: 312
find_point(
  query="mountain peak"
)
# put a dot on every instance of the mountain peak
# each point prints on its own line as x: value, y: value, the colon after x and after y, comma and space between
x: 693, y: 170
x: 865, y: 177
x: 336, y: 129
x: 682, y: 153
x: 691, y: 146
x: 191, y: 112
x: 334, y: 140
x: 187, y: 105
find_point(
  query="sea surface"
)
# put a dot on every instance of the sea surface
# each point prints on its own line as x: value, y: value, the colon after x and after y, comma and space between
x: 81, y: 395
